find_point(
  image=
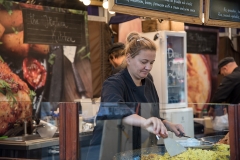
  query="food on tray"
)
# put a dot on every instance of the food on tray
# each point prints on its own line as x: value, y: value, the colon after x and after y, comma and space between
x: 13, y: 44
x: 198, y: 80
x: 11, y: 19
x: 34, y: 72
x: 40, y: 48
x: 190, y: 142
x: 221, y: 147
x: 15, y: 98
x: 220, y: 152
x: 225, y: 139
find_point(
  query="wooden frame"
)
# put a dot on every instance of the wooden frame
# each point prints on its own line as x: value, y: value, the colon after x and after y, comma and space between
x: 156, y: 14
x: 214, y: 22
x: 96, y: 3
x: 69, y: 131
x: 234, y: 131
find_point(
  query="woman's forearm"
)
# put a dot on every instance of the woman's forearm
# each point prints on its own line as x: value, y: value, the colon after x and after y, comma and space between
x: 167, y: 125
x: 134, y: 120
x: 152, y: 124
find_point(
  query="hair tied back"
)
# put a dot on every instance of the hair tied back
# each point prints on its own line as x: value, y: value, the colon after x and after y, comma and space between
x: 140, y: 39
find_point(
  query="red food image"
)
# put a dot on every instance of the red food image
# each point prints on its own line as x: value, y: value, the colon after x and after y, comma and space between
x: 34, y: 73
x: 15, y: 102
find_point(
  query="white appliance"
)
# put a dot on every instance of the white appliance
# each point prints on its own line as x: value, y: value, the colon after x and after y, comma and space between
x: 183, y: 116
x: 170, y: 78
x: 169, y: 69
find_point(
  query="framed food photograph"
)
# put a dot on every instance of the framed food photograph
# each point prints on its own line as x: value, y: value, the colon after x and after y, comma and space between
x: 202, y: 59
x: 44, y: 57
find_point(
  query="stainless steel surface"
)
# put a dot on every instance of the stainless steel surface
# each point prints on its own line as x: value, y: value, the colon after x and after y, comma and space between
x: 35, y: 127
x: 25, y: 127
x: 23, y: 138
x: 200, y: 145
x: 47, y: 131
x: 29, y: 142
x: 173, y: 147
x: 213, y: 139
x: 203, y: 143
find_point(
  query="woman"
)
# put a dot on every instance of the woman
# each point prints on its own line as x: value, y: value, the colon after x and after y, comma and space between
x: 132, y: 85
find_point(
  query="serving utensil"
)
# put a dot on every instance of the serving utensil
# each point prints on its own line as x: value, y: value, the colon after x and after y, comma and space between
x: 70, y: 52
x: 183, y: 135
x: 204, y: 141
x: 173, y: 147
x: 47, y: 130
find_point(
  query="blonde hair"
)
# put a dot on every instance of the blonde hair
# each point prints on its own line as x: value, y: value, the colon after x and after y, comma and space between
x: 135, y: 43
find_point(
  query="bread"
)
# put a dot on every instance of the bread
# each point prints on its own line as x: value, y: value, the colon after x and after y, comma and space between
x: 225, y: 140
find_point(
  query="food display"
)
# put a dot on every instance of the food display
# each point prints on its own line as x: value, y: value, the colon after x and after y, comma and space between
x: 199, y: 83
x: 15, y: 98
x: 2, y: 29
x: 10, y: 19
x: 224, y: 140
x: 12, y: 44
x: 23, y: 73
x: 34, y: 73
x: 219, y: 152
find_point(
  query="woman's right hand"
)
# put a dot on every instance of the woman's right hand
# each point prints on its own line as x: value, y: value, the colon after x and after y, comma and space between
x: 155, y: 126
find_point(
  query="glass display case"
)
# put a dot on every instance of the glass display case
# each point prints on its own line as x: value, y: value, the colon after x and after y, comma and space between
x: 104, y: 135
x: 175, y: 70
x: 169, y: 69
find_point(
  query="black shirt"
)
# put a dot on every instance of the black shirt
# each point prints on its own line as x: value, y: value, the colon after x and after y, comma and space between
x: 120, y: 98
x: 121, y: 88
x: 229, y: 90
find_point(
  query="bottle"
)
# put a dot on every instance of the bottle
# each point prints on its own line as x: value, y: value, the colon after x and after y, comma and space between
x: 80, y: 123
x: 204, y: 112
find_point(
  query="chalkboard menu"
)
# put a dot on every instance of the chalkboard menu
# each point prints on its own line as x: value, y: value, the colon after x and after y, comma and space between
x: 189, y: 11
x: 183, y: 7
x: 224, y: 13
x: 225, y: 10
x: 53, y: 28
x: 202, y: 42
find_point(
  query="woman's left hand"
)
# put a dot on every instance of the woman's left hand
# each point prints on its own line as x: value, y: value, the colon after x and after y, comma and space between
x: 176, y: 128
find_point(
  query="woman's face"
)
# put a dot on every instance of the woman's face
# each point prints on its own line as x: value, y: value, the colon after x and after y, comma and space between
x: 141, y: 65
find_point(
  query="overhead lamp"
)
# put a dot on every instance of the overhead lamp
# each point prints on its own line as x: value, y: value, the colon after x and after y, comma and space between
x: 86, y: 2
x: 105, y: 4
x: 111, y: 12
x: 203, y: 18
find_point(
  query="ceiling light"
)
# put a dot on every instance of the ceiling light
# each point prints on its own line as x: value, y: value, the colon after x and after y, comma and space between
x: 111, y: 12
x: 105, y: 4
x: 203, y: 18
x: 86, y: 2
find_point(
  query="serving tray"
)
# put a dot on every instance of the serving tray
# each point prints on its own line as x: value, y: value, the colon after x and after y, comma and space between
x: 199, y: 145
